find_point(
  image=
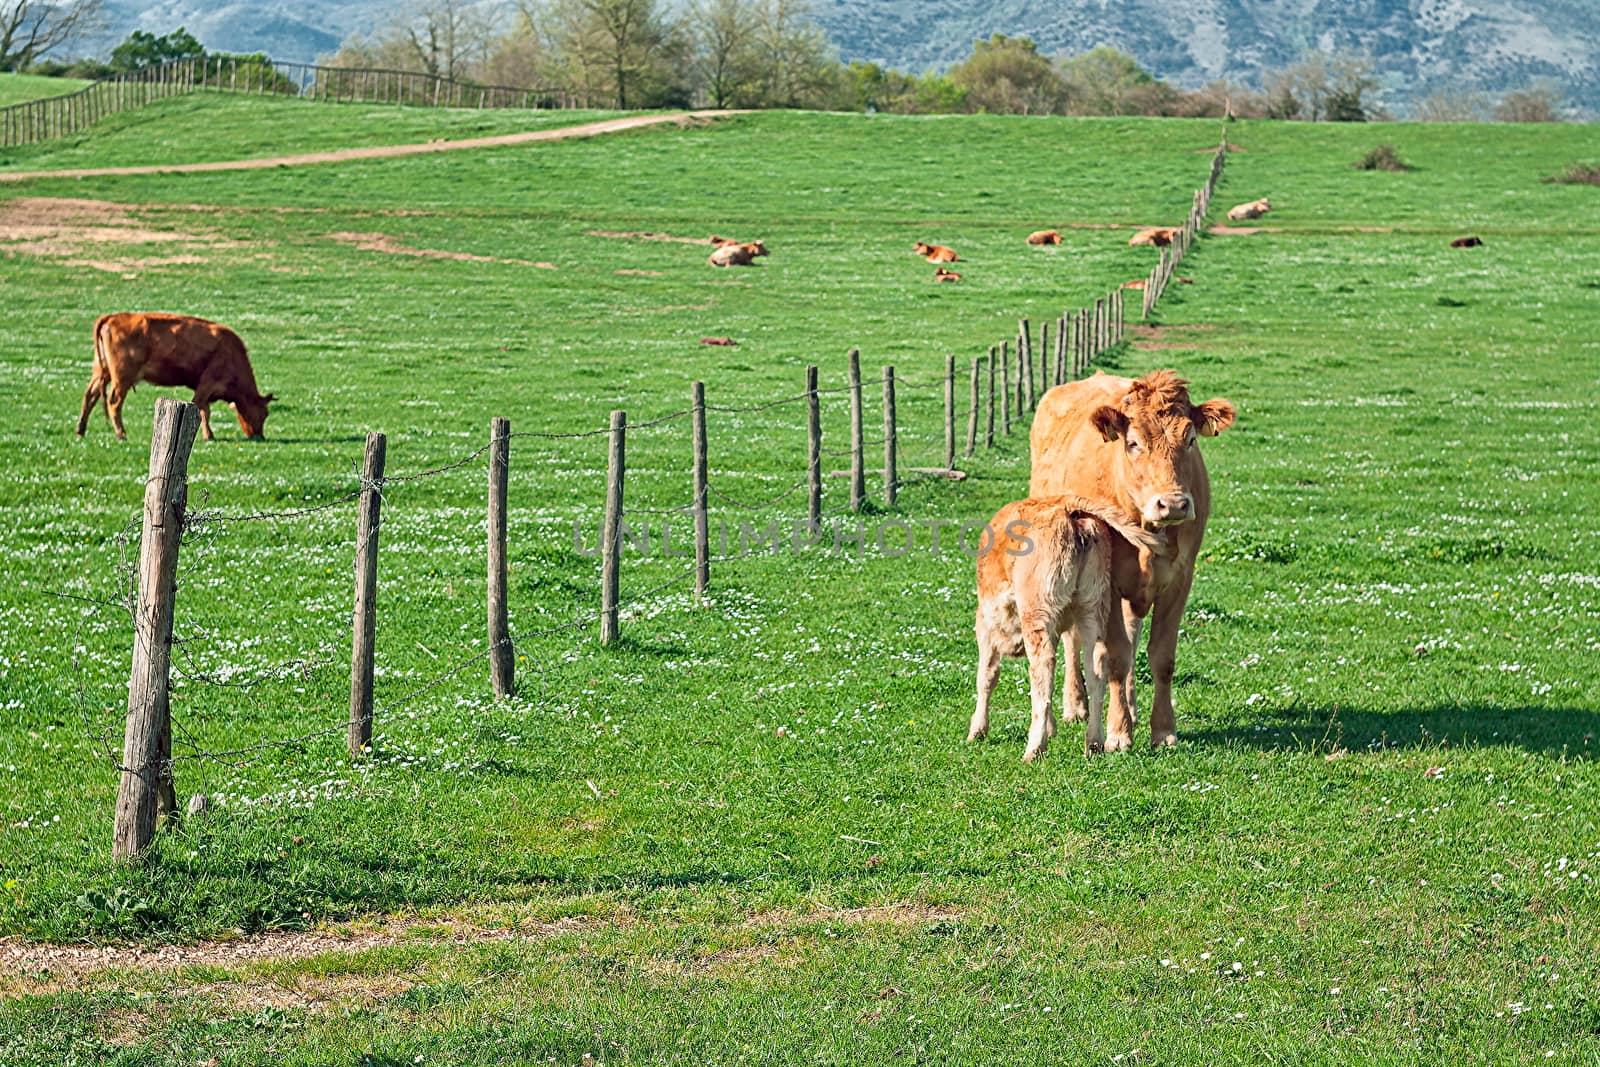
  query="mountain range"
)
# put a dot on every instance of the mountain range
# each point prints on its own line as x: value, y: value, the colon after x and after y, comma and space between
x: 1417, y: 45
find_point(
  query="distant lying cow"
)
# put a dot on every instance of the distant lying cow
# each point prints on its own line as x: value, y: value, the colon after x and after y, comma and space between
x: 935, y: 253
x: 944, y: 274
x: 1155, y: 235
x: 1046, y: 567
x: 178, y: 350
x: 1467, y: 242
x: 736, y: 255
x: 1253, y: 210
x: 1044, y: 237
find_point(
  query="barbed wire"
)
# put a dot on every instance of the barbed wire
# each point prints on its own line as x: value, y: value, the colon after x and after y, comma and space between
x: 797, y: 486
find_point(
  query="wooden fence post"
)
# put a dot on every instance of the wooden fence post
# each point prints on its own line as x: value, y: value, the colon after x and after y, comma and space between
x: 145, y: 794
x: 502, y: 656
x: 1005, y: 386
x: 890, y: 476
x: 358, y: 735
x: 1025, y: 366
x: 702, y: 531
x: 813, y: 450
x: 949, y: 413
x: 1061, y: 350
x: 988, y: 439
x: 858, y: 470
x: 611, y: 530
x: 972, y: 417
x: 1046, y: 358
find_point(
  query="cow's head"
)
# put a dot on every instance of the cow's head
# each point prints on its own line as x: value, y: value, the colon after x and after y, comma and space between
x: 756, y: 248
x: 253, y: 415
x: 922, y: 248
x: 1156, y: 429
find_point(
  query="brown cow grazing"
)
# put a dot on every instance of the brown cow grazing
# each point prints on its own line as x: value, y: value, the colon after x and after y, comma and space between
x: 1131, y: 444
x: 935, y: 253
x: 1045, y: 567
x: 1253, y: 210
x: 736, y: 255
x: 1467, y: 242
x: 1044, y: 237
x: 132, y: 347
x: 944, y: 274
x: 1160, y: 236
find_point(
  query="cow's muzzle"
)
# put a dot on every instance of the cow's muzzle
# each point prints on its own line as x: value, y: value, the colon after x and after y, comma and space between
x: 1168, y: 509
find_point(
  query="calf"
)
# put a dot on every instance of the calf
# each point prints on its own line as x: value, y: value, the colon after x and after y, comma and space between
x: 1472, y: 241
x: 935, y: 253
x: 1253, y: 210
x: 1044, y: 237
x: 944, y: 274
x: 1051, y: 566
x: 132, y: 347
x: 729, y: 254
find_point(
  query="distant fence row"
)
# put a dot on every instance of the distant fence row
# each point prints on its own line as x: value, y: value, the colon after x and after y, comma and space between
x: 1004, y: 388
x: 58, y: 116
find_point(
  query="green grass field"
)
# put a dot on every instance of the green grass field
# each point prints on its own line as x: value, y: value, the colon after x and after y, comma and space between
x: 752, y: 832
x: 19, y: 88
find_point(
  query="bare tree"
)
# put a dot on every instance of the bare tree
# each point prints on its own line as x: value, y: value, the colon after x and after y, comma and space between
x: 725, y: 36
x: 1451, y: 104
x: 1537, y: 103
x: 797, y: 64
x: 31, y: 28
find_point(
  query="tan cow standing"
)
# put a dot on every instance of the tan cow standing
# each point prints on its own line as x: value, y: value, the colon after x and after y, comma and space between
x: 132, y: 347
x: 1046, y: 567
x: 1132, y: 445
x: 1253, y: 210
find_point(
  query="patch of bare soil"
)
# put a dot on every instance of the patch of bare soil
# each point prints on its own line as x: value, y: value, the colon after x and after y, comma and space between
x: 382, y: 242
x: 646, y: 235
x: 1211, y: 150
x: 46, y: 968
x: 83, y: 233
x: 1224, y: 230
x: 643, y: 273
x: 1168, y: 338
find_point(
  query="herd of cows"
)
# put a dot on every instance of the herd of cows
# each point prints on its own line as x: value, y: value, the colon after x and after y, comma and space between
x: 1109, y: 534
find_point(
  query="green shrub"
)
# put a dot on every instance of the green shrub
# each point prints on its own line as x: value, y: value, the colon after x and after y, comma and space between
x: 1384, y: 157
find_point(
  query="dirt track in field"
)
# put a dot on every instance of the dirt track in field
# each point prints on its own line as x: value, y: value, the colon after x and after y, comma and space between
x: 588, y: 129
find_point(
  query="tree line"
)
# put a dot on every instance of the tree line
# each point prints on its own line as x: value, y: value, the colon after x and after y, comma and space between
x: 774, y: 54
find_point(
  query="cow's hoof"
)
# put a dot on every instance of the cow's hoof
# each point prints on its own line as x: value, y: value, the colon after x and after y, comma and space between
x: 1072, y: 714
x: 1161, y: 741
x: 1093, y: 748
x: 1033, y: 754
x: 1119, y: 743
x: 976, y: 734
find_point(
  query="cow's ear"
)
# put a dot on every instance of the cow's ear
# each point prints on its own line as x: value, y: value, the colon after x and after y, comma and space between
x: 1111, y: 423
x: 1214, y: 416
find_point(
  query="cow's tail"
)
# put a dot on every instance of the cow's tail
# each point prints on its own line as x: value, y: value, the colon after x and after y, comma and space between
x: 102, y: 363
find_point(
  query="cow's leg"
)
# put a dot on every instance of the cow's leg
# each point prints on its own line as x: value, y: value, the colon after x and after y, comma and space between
x: 1163, y: 656
x: 203, y: 397
x: 1074, y: 707
x: 1089, y: 624
x: 114, y: 399
x: 988, y: 678
x: 91, y: 397
x: 1039, y: 638
x: 1116, y: 652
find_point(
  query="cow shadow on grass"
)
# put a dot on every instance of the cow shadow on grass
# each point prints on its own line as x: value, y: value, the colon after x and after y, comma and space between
x: 1572, y: 732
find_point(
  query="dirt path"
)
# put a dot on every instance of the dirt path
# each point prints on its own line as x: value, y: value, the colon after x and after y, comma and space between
x: 588, y: 129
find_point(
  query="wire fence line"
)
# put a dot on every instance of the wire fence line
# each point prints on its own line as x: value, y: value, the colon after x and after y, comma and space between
x: 148, y: 760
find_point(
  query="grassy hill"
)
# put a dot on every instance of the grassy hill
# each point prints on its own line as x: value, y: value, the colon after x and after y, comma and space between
x: 752, y: 832
x: 20, y: 88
